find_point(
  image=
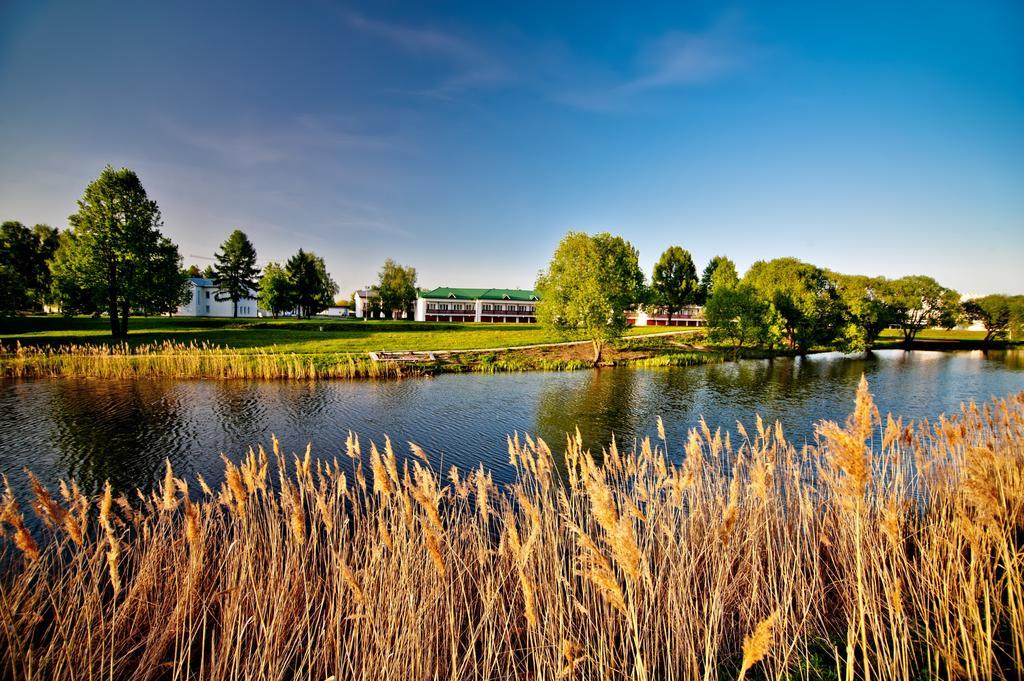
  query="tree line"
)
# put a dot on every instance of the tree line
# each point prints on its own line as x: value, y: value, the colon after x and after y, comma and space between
x: 593, y: 281
x: 115, y: 260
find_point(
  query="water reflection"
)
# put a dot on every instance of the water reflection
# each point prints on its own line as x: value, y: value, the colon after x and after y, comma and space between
x: 130, y: 412
x: 606, y: 403
x: 123, y: 430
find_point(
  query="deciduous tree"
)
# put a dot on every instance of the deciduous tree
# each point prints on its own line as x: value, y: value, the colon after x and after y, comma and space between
x: 276, y: 293
x: 739, y: 316
x: 24, y: 265
x: 116, y: 259
x: 868, y: 305
x: 589, y: 284
x: 995, y: 312
x: 921, y: 302
x: 396, y: 288
x: 812, y: 312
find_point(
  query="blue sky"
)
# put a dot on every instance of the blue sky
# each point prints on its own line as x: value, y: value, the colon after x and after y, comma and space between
x: 466, y: 138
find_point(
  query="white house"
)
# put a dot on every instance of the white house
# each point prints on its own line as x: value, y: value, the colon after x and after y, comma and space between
x: 336, y: 311
x: 203, y: 302
x: 364, y: 302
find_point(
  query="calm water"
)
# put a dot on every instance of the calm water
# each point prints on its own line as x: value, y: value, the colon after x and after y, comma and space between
x: 123, y: 430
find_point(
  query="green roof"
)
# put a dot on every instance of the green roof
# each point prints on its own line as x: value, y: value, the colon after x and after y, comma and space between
x: 480, y: 294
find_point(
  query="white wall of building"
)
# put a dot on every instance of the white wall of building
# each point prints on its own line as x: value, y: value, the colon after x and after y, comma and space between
x: 203, y: 303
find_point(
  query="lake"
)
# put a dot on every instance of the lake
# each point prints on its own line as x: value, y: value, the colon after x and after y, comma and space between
x: 123, y: 430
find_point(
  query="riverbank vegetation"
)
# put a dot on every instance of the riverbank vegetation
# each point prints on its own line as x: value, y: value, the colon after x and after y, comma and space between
x: 312, y: 336
x: 886, y: 550
x: 205, y: 361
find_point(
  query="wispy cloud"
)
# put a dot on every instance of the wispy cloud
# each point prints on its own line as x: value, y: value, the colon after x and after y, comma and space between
x: 258, y: 143
x: 676, y: 60
x: 469, y: 65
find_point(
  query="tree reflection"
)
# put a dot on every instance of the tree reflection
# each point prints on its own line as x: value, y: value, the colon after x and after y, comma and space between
x: 113, y: 430
x: 604, y: 404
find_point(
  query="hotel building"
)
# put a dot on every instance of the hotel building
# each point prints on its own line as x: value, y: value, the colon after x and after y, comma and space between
x: 497, y: 305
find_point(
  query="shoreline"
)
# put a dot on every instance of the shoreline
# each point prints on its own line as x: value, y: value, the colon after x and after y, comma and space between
x: 179, y: 361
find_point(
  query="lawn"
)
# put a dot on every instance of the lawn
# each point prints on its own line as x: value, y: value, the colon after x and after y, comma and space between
x: 287, y: 335
x: 936, y: 335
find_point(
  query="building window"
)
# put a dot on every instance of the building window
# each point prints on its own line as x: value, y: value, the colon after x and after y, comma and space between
x: 207, y: 297
x: 207, y: 307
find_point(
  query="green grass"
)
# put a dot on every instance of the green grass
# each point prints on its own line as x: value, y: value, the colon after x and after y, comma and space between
x: 936, y: 334
x: 284, y: 335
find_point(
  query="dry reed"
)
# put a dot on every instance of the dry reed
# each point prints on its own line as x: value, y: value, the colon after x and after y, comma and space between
x: 878, y: 552
x: 189, y: 361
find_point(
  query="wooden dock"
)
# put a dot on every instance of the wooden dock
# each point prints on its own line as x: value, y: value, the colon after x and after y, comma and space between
x: 402, y: 356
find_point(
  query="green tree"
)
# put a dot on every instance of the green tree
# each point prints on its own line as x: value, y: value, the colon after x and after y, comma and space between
x: 312, y: 287
x: 276, y: 293
x: 674, y: 282
x: 588, y: 286
x: 994, y: 312
x: 17, y: 254
x: 868, y: 305
x: 396, y: 288
x: 1015, y: 331
x: 812, y: 312
x: 739, y: 316
x: 719, y: 271
x: 920, y: 302
x: 25, y: 256
x: 116, y: 259
x: 236, y: 275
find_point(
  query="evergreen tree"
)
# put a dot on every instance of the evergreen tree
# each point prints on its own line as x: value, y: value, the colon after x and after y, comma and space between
x: 674, y: 283
x: 312, y: 286
x: 236, y: 275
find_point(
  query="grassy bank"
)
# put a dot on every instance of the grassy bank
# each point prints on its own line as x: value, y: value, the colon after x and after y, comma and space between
x: 294, y: 349
x: 844, y: 561
x: 169, y: 360
x: 306, y: 337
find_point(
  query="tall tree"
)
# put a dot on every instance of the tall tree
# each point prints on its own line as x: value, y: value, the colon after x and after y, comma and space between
x: 236, y: 275
x: 116, y: 258
x: 719, y: 271
x: 674, y: 282
x: 921, y: 302
x: 312, y: 286
x: 25, y: 256
x: 805, y: 297
x: 17, y: 255
x: 396, y: 288
x: 588, y: 286
x: 276, y: 292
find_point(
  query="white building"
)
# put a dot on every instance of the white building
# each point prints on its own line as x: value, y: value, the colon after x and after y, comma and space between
x: 497, y: 305
x: 336, y: 311
x: 203, y: 302
x: 364, y: 302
